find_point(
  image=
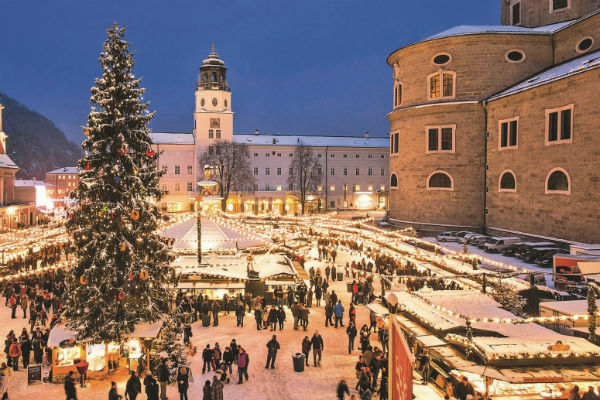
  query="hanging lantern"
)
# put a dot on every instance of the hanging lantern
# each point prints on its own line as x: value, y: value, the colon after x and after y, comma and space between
x: 150, y: 153
x: 135, y: 215
x: 144, y: 275
x: 83, y: 280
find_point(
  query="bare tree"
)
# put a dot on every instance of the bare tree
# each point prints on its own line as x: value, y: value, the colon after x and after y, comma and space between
x: 305, y: 177
x: 228, y: 165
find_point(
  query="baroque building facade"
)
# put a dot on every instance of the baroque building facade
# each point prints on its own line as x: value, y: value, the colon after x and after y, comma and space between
x: 493, y: 126
x: 354, y: 170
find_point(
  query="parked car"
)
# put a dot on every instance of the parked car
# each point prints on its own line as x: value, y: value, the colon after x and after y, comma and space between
x: 496, y: 246
x: 510, y: 250
x: 530, y: 245
x: 536, y: 252
x: 474, y: 238
x: 447, y: 237
x: 480, y: 242
x: 462, y: 234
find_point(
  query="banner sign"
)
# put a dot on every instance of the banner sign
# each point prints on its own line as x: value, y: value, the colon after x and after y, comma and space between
x: 400, y: 364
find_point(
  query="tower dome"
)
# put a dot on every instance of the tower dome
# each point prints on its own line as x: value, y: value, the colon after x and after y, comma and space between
x: 213, y: 73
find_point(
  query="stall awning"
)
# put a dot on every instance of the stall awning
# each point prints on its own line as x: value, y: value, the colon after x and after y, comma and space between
x: 378, y: 308
x: 58, y: 334
x: 431, y: 341
x: 210, y: 285
x: 146, y: 330
x: 279, y: 283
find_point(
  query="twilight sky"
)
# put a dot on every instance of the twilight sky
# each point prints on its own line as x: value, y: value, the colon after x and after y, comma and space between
x: 305, y: 67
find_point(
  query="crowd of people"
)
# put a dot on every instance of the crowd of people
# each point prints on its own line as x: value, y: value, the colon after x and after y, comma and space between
x: 49, y: 254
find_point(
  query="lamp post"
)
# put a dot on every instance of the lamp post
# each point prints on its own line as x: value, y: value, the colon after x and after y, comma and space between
x: 199, y: 226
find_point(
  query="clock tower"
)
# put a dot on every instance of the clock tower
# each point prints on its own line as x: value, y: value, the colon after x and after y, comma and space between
x: 213, y: 118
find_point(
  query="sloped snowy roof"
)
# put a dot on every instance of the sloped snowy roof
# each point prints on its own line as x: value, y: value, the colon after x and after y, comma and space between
x: 30, y: 182
x: 315, y: 141
x: 146, y: 330
x: 6, y: 162
x: 576, y: 66
x: 171, y: 138
x: 487, y: 29
x: 65, y: 170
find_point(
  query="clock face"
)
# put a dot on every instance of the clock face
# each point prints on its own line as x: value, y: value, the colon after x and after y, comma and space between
x: 215, y: 123
x: 202, y: 102
x: 215, y: 102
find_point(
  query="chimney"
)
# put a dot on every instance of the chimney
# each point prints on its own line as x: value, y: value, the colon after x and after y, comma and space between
x: 256, y: 131
x: 366, y: 135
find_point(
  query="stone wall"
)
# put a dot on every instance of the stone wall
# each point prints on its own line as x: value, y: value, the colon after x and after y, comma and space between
x: 537, y: 12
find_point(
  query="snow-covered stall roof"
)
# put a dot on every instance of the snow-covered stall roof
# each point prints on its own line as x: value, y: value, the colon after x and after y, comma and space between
x: 568, y: 307
x: 60, y: 333
x: 232, y: 268
x: 172, y: 138
x: 310, y: 140
x: 576, y: 66
x: 210, y: 285
x: 146, y: 330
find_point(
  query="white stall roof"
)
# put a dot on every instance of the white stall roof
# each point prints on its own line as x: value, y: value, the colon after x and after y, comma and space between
x: 58, y: 334
x: 146, y: 330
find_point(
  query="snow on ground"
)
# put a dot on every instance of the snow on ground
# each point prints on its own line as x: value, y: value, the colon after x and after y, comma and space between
x: 314, y: 383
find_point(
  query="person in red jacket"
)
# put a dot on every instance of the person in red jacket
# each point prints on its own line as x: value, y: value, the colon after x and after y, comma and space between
x: 242, y: 362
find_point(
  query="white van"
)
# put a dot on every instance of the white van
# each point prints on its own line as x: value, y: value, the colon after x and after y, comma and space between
x: 500, y: 243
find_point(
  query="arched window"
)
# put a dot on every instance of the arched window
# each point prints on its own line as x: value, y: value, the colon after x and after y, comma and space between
x: 440, y: 180
x: 394, y: 181
x: 214, y: 77
x: 558, y: 181
x: 508, y: 182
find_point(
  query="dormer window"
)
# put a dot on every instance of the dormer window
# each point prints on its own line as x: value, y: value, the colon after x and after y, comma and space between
x: 515, y: 13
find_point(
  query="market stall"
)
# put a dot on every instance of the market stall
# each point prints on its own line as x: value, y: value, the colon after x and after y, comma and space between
x: 66, y: 352
x: 137, y: 344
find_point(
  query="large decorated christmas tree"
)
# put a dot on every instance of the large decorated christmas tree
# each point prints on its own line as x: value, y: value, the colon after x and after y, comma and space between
x: 121, y: 276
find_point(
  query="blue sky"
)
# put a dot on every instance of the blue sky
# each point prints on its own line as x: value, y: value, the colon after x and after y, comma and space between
x: 306, y: 67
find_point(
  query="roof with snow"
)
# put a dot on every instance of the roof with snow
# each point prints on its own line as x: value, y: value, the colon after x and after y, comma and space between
x: 31, y: 182
x: 576, y: 66
x: 490, y: 29
x: 172, y: 138
x: 315, y: 141
x: 65, y: 170
x: 6, y: 162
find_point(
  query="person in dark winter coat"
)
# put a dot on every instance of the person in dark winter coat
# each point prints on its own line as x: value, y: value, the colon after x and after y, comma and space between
x: 206, y: 394
x: 306, y: 348
x: 272, y: 348
x: 25, y: 350
x: 113, y: 394
x: 351, y: 332
x: 317, y: 347
x: 342, y: 390
x: 133, y: 387
x: 151, y: 387
x: 216, y: 389
x: 70, y: 387
x: 258, y: 318
x: 281, y: 317
x: 207, y: 357
x: 272, y: 318
x: 215, y: 312
x: 183, y: 377
x: 163, y: 378
x: 240, y: 313
x: 328, y: 314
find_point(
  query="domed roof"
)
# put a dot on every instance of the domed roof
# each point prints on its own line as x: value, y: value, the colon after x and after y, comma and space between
x: 213, y: 59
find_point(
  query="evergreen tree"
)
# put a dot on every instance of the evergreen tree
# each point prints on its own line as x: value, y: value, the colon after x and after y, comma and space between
x: 170, y: 345
x: 122, y: 271
x: 505, y: 294
x: 592, y: 295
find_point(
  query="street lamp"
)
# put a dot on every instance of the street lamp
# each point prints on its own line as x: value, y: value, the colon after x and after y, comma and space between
x: 206, y: 188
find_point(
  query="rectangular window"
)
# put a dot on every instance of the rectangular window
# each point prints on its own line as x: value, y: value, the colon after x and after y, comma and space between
x: 332, y: 171
x: 319, y: 155
x: 345, y: 171
x: 190, y: 170
x: 267, y: 154
x: 278, y: 154
x: 441, y: 85
x: 357, y: 172
x: 218, y: 134
x: 394, y: 143
x: 515, y: 13
x: 559, y: 125
x: 164, y: 187
x: 278, y: 171
x: 255, y: 171
x: 398, y: 95
x: 331, y: 155
x: 382, y: 172
x: 559, y: 5
x: 370, y: 172
x: 267, y: 187
x: 291, y: 171
x: 440, y: 139
x: 290, y: 186
x: 434, y: 86
x: 255, y: 154
x: 370, y: 156
x: 508, y: 133
x: 358, y: 156
x: 370, y: 187
x: 189, y: 186
x: 345, y: 155
x: 291, y: 154
x: 279, y: 188
x: 319, y: 188
x: 211, y: 133
x: 382, y: 187
x: 177, y: 170
x: 267, y: 171
x: 177, y: 187
x: 332, y: 204
x: 319, y: 171
x: 332, y: 188
x: 448, y: 85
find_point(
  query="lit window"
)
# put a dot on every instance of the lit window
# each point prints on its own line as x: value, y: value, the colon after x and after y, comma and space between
x: 558, y: 181
x: 441, y: 85
x: 440, y: 180
x: 332, y: 188
x: 279, y: 188
x: 508, y: 133
x: 382, y: 187
x: 189, y: 186
x: 440, y: 139
x: 559, y: 125
x: 508, y: 183
x: 319, y: 188
x: 370, y: 187
x: 177, y: 187
x: 394, y: 181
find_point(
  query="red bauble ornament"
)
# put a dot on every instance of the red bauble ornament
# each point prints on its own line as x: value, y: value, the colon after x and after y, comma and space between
x: 150, y: 153
x: 121, y: 296
x: 122, y: 151
x: 87, y: 166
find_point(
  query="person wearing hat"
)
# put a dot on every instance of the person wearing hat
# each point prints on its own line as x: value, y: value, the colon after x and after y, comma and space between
x: 272, y: 348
